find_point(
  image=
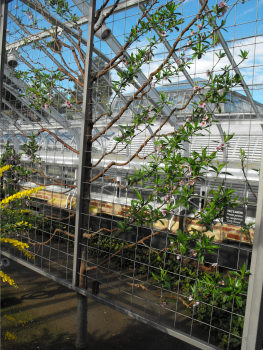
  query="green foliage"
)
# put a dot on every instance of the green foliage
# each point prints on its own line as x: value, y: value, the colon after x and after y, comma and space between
x: 171, y: 176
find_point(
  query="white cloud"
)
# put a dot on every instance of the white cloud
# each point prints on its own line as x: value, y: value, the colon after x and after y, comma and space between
x: 251, y: 68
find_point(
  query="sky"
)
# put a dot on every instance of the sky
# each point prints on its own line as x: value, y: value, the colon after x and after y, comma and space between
x: 244, y: 30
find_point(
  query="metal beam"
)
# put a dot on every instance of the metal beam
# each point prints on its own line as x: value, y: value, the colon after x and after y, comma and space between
x: 25, y: 102
x: 252, y: 332
x: 188, y: 78
x: 9, y: 105
x: 52, y: 112
x: 58, y: 64
x: 5, y: 128
x: 15, y: 20
x: 233, y: 63
x: 3, y: 24
x: 85, y: 165
x: 153, y: 95
x: 66, y: 27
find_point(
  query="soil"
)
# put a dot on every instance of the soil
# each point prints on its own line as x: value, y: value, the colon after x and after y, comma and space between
x: 45, y: 319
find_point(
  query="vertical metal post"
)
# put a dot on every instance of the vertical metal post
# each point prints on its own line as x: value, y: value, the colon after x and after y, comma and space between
x: 3, y: 23
x: 82, y: 322
x: 83, y: 194
x: 252, y: 333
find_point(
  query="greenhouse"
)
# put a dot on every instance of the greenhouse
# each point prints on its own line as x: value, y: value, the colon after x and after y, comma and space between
x: 131, y: 159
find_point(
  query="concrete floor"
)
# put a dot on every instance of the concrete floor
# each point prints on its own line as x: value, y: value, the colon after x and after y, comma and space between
x: 49, y: 312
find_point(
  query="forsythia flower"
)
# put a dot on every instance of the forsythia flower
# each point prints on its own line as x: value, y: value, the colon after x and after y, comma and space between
x: 7, y: 279
x: 14, y: 242
x: 9, y: 336
x: 4, y: 168
x: 20, y: 195
x: 23, y: 211
x: 18, y: 244
x: 20, y: 223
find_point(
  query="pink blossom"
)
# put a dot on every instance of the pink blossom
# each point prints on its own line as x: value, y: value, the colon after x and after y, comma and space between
x: 181, y: 183
x: 163, y: 33
x: 220, y: 147
x: 208, y: 72
x: 30, y: 16
x: 191, y: 182
x: 196, y: 303
x: 194, y: 254
x: 222, y: 283
x: 167, y: 198
x: 46, y: 106
x: 214, y: 265
x: 199, y: 26
x: 152, y: 84
x: 163, y: 303
x: 178, y: 257
x: 50, y: 96
x: 192, y: 32
x: 164, y: 212
x: 66, y: 104
x: 203, y: 123
x: 190, y: 298
x: 189, y: 42
x: 171, y: 243
x: 202, y: 105
x: 196, y: 88
x: 205, y: 117
x: 188, y: 120
x: 222, y: 4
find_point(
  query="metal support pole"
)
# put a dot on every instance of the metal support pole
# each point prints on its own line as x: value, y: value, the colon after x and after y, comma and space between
x: 83, y: 195
x: 82, y: 322
x: 3, y: 23
x: 233, y: 63
x: 252, y: 333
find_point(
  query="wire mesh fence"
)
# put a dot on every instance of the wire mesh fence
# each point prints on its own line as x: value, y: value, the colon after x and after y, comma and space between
x: 133, y: 131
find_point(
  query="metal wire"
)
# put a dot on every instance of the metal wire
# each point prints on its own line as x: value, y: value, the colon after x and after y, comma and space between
x: 74, y: 234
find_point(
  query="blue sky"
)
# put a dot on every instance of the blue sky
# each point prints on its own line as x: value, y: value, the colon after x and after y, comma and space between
x: 244, y: 31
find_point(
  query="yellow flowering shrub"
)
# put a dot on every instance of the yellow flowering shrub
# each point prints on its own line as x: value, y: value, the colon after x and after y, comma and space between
x: 9, y: 227
x: 6, y: 278
x: 18, y: 244
x: 4, y: 168
x: 20, y: 195
x: 15, y: 220
x: 9, y: 336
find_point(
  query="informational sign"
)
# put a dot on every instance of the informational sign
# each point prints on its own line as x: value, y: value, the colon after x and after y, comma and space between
x: 235, y: 216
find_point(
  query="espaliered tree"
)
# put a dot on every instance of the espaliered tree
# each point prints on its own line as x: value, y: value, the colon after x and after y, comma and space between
x: 169, y: 174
